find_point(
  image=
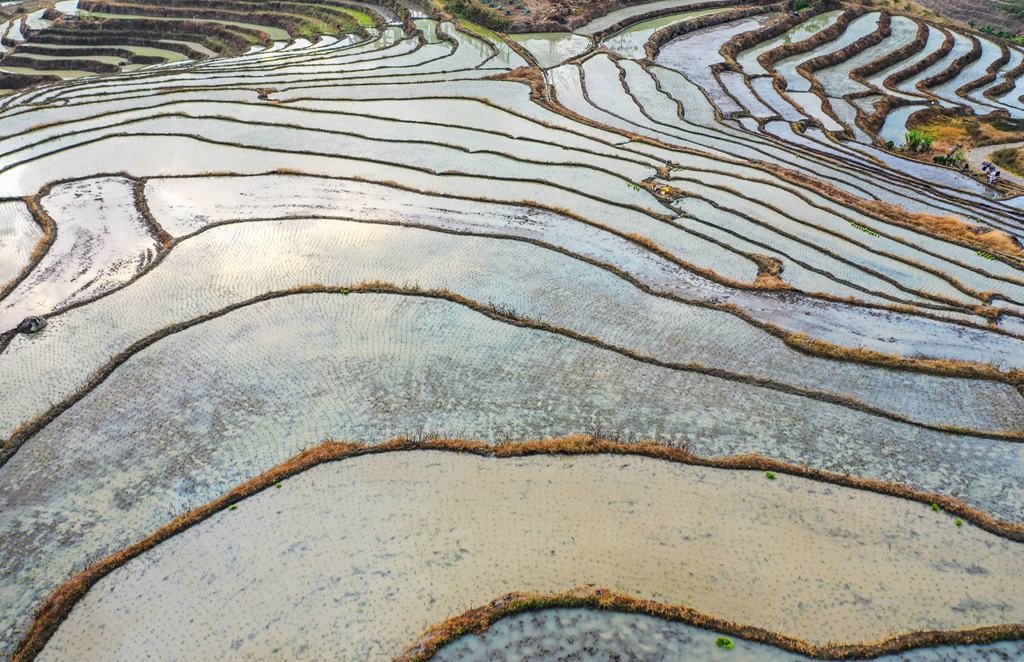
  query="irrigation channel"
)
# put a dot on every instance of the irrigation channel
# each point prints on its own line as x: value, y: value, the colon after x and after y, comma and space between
x: 638, y: 340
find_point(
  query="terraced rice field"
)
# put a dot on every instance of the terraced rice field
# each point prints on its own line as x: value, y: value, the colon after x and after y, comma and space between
x: 372, y: 333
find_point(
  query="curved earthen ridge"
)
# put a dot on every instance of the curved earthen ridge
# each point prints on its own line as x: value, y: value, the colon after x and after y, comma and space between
x: 768, y: 59
x: 592, y: 597
x: 751, y: 38
x: 58, y: 606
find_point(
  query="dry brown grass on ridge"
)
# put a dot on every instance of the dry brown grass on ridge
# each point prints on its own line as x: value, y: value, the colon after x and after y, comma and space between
x: 967, y: 131
x: 1011, y: 159
x: 60, y: 603
x: 948, y: 228
x: 964, y: 369
x: 528, y: 75
x: 47, y: 224
x: 769, y: 272
x: 480, y: 619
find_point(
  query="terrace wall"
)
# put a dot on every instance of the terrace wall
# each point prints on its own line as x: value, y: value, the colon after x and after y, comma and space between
x: 980, y: 13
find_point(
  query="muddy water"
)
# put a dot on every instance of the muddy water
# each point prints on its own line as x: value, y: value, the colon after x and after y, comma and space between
x: 369, y: 552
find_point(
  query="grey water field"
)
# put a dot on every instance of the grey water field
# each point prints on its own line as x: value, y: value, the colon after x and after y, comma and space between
x: 470, y: 331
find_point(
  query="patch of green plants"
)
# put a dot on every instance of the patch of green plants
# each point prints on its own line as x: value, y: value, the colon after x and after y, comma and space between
x: 477, y: 13
x: 770, y: 475
x: 724, y: 642
x: 957, y: 160
x: 936, y: 508
x: 278, y: 485
x: 959, y: 522
x: 987, y: 256
x: 865, y: 229
x: 233, y: 507
x: 918, y: 141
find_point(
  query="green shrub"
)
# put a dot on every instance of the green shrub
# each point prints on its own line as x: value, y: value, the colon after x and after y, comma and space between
x: 770, y: 475
x: 935, y: 507
x: 959, y: 522
x: 918, y: 141
x: 724, y: 642
x: 800, y: 5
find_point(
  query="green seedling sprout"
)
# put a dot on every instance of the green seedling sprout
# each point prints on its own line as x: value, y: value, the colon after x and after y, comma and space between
x: 724, y: 642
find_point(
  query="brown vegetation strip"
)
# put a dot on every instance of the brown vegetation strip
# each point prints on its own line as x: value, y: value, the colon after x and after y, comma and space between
x: 478, y: 620
x: 947, y: 228
x: 60, y: 603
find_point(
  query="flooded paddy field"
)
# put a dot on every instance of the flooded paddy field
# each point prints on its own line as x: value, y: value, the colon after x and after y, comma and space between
x: 428, y: 535
x: 358, y: 323
x: 569, y: 633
